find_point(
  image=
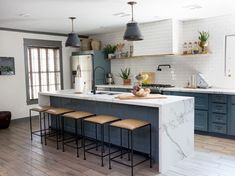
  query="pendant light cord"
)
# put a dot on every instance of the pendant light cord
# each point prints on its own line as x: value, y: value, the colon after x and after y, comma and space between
x: 72, y: 18
x: 72, y: 24
x: 132, y: 12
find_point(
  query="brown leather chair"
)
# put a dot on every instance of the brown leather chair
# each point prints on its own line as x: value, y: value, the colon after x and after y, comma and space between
x: 5, y: 119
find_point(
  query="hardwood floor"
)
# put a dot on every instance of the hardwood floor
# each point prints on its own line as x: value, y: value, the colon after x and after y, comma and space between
x: 21, y: 157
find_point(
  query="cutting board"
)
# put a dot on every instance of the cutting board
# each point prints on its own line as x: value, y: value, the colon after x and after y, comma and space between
x: 151, y: 78
x: 132, y: 97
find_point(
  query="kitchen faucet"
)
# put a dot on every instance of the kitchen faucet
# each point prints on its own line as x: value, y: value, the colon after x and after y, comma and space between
x: 163, y: 65
x: 94, y: 78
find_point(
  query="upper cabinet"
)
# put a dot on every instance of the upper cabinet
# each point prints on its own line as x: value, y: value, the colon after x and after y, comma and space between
x: 160, y: 38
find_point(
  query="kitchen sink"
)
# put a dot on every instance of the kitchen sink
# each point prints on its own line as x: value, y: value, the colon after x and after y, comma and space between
x: 107, y: 93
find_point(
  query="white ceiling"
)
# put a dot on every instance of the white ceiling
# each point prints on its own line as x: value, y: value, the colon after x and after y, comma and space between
x: 97, y: 16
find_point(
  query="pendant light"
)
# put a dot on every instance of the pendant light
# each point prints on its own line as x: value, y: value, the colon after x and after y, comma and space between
x: 73, y: 40
x: 132, y: 32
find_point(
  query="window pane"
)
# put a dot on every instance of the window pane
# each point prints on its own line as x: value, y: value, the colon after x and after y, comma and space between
x: 51, y: 64
x: 43, y: 79
x: 52, y: 87
x: 43, y: 60
x: 58, y: 78
x: 35, y: 79
x: 52, y: 78
x: 57, y: 60
x: 34, y: 57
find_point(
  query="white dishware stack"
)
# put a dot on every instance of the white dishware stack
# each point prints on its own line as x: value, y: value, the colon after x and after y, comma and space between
x: 79, y: 82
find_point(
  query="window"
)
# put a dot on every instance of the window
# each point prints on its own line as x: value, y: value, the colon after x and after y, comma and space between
x: 43, y: 69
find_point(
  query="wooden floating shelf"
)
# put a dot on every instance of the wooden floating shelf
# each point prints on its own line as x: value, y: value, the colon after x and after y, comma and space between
x: 167, y: 55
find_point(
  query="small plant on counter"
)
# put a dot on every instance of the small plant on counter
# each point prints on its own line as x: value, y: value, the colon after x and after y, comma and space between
x: 203, y: 37
x: 109, y: 50
x: 125, y: 75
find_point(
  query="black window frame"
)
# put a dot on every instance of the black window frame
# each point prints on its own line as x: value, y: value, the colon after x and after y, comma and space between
x: 29, y: 43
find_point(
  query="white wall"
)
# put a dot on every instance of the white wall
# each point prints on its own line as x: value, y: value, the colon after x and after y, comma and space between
x: 13, y: 88
x: 212, y: 66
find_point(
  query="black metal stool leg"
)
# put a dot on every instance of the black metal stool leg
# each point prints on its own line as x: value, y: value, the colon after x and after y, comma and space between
x: 40, y: 126
x: 84, y: 142
x: 76, y: 132
x: 132, y: 173
x: 121, y: 141
x: 62, y: 124
x: 128, y: 143
x: 45, y: 130
x: 150, y: 147
x: 30, y: 121
x: 57, y: 133
x: 109, y: 147
x: 48, y: 123
x: 102, y: 145
x: 96, y: 137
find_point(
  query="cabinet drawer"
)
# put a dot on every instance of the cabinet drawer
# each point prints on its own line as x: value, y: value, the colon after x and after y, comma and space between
x: 218, y: 128
x: 201, y: 102
x: 219, y: 108
x: 233, y: 99
x: 219, y: 118
x: 217, y: 98
x: 167, y: 93
x: 201, y: 120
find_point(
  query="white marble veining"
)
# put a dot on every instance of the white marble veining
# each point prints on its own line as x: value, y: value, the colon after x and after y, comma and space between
x: 176, y: 132
x: 176, y: 122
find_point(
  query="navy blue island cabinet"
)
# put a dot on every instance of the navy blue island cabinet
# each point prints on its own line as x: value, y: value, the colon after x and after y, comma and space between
x: 214, y: 113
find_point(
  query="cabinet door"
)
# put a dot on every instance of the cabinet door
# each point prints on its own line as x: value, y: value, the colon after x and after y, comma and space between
x: 231, y: 121
x: 201, y: 120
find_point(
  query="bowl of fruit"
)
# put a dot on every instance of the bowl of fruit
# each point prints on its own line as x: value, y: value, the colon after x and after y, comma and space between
x: 140, y: 92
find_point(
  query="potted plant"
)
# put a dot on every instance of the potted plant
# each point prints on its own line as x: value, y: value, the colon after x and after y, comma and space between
x: 125, y: 75
x: 109, y: 50
x: 203, y: 37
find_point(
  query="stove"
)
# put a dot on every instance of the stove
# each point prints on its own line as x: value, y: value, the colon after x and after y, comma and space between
x: 157, y: 88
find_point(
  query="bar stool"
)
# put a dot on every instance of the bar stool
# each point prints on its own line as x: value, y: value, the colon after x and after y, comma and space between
x: 57, y: 112
x: 41, y: 110
x: 101, y: 120
x: 77, y: 116
x: 131, y: 125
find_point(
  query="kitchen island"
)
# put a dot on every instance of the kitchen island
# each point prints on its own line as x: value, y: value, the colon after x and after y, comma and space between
x: 172, y: 121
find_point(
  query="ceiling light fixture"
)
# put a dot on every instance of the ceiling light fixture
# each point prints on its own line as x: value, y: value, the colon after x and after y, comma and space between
x: 73, y: 39
x: 192, y: 6
x: 132, y: 32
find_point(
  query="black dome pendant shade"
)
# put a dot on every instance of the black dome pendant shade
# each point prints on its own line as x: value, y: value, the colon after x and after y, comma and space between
x: 132, y: 32
x: 73, y: 39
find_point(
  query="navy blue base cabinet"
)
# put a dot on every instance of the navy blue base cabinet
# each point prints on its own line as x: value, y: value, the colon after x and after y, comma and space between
x: 214, y: 113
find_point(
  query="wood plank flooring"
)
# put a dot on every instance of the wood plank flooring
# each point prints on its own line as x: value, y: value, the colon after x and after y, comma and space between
x: 19, y: 156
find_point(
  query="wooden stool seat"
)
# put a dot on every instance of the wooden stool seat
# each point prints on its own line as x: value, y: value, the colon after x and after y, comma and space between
x: 78, y: 115
x: 58, y: 111
x: 102, y: 119
x: 130, y: 124
x: 41, y: 108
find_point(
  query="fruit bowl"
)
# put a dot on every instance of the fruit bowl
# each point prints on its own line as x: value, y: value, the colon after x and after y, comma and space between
x: 140, y: 92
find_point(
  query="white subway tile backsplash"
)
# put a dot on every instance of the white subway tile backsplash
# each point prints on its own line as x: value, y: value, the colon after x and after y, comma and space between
x: 182, y: 68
